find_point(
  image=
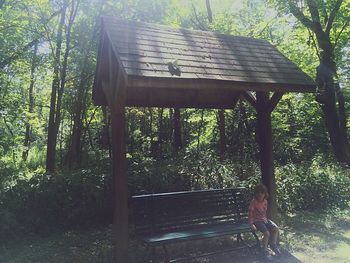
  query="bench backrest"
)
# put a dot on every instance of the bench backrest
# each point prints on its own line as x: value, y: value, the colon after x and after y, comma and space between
x: 167, y: 212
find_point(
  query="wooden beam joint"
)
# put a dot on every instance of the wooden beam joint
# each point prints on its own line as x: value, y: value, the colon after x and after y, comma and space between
x: 248, y: 96
x: 272, y: 103
x: 263, y: 103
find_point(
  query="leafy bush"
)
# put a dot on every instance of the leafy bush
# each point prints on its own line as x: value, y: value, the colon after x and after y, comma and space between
x: 41, y: 203
x: 187, y: 171
x: 312, y: 187
x: 63, y: 200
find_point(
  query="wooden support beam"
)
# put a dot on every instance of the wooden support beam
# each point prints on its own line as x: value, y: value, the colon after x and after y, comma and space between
x: 264, y: 132
x: 276, y: 97
x: 185, y: 83
x: 182, y: 98
x: 250, y: 98
x: 264, y: 107
x: 120, y: 235
x: 115, y: 92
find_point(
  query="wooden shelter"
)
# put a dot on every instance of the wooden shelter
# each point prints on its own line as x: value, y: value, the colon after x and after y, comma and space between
x: 148, y: 65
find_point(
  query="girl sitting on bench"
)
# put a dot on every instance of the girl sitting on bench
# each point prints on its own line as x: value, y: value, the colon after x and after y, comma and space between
x: 258, y: 220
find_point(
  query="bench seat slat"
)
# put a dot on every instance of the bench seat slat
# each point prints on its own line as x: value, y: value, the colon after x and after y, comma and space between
x: 198, y: 233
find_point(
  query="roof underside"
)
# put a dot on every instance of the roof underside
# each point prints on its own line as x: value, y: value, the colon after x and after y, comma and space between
x: 170, y: 67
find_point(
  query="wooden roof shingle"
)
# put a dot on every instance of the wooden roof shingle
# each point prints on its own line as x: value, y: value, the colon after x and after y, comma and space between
x: 145, y: 50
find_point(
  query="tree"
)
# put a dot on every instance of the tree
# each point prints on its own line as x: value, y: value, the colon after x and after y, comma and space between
x: 177, y: 130
x: 28, y: 131
x: 86, y: 35
x: 59, y: 82
x: 327, y: 22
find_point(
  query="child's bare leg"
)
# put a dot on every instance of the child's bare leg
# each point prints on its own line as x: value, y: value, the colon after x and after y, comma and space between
x: 265, y: 239
x: 273, y: 241
x: 274, y: 235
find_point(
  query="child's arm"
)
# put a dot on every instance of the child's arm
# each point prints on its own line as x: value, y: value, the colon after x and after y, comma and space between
x: 253, y: 227
x: 251, y: 216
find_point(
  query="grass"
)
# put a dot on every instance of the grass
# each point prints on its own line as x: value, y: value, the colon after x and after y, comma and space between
x: 309, y: 237
x: 315, y: 237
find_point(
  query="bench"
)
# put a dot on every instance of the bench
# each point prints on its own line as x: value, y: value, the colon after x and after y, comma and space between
x: 161, y: 219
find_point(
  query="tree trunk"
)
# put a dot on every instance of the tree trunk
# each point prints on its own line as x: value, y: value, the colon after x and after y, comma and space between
x: 28, y: 132
x: 328, y: 91
x: 177, y: 130
x: 335, y: 119
x: 222, y: 132
x: 75, y: 148
x: 75, y: 151
x: 52, y: 128
x: 64, y: 68
x: 199, y: 132
x: 161, y: 133
x: 241, y: 141
x: 221, y: 113
x: 209, y: 11
x: 104, y: 139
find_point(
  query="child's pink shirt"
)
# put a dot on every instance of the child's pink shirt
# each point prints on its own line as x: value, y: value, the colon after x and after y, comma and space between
x: 257, y: 211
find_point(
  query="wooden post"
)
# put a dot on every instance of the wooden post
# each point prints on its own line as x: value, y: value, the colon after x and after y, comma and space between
x: 264, y: 132
x: 115, y: 91
x: 120, y: 235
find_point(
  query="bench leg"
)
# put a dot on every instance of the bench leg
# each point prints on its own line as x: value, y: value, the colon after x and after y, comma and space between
x: 257, y: 240
x: 167, y: 260
x: 151, y: 254
x: 239, y: 238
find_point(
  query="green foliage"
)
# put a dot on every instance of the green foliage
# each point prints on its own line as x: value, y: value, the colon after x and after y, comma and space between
x: 33, y: 201
x: 298, y: 127
x: 312, y: 187
x: 188, y: 170
x: 45, y: 203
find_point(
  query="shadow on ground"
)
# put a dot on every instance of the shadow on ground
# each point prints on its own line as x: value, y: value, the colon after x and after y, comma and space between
x: 233, y: 257
x: 248, y: 255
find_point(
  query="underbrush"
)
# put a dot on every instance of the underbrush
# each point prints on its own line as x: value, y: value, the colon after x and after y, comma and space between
x: 43, y: 203
x: 47, y: 203
x: 312, y: 187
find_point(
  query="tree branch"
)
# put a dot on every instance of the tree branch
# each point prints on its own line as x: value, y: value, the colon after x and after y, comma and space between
x: 325, y: 16
x: 18, y: 53
x: 199, y: 23
x: 300, y: 16
x: 314, y: 43
x: 315, y: 15
x: 332, y: 16
x: 210, y: 13
x: 341, y: 31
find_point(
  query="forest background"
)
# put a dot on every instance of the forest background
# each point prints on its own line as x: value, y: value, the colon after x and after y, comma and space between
x: 55, y: 165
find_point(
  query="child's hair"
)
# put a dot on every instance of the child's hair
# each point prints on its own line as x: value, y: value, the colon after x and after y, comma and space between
x: 261, y: 189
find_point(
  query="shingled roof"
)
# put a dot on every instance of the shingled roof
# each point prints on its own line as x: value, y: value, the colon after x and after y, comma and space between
x: 161, y: 60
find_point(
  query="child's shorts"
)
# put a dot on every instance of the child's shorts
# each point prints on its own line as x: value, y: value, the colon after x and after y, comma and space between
x: 265, y: 226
